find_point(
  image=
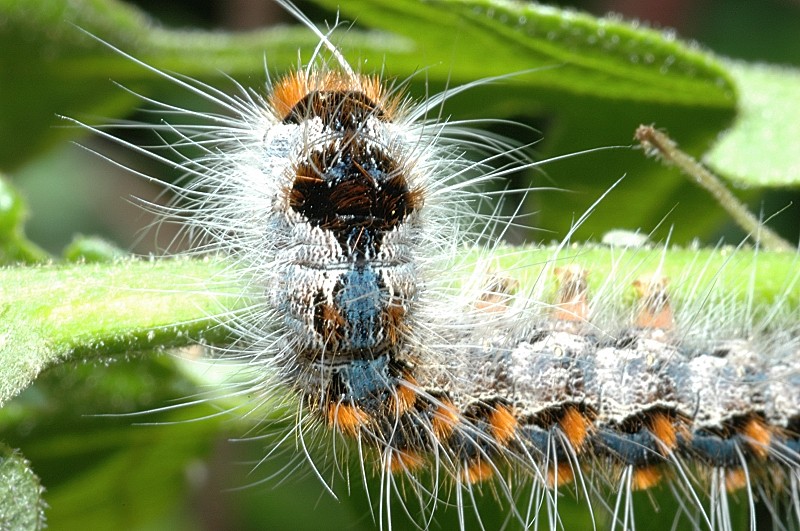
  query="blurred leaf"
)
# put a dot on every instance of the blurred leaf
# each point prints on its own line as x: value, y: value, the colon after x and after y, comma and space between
x: 101, y: 472
x: 50, y: 67
x: 92, y: 249
x: 14, y: 246
x: 760, y: 148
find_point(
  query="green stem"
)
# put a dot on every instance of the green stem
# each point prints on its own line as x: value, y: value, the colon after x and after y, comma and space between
x: 656, y: 141
x: 51, y: 314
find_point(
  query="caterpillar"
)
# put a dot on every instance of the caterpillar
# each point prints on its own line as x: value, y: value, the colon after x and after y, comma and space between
x: 344, y: 205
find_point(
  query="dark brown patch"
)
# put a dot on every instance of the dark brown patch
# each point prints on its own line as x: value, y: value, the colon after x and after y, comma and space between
x: 338, y: 110
x: 356, y: 190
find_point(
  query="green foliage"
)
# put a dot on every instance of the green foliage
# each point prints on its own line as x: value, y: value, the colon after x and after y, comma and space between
x: 753, y: 152
x: 21, y: 504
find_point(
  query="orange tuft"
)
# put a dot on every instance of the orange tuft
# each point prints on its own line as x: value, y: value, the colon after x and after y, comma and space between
x: 559, y: 475
x: 288, y: 92
x: 374, y: 89
x: 394, y: 321
x: 759, y: 436
x: 654, y: 307
x: 662, y: 427
x: 646, y: 478
x: 346, y: 418
x: 735, y: 479
x: 575, y: 426
x: 405, y: 461
x: 572, y: 300
x: 444, y: 420
x: 503, y: 424
x: 496, y: 294
x: 477, y: 472
x: 404, y: 396
x: 332, y: 324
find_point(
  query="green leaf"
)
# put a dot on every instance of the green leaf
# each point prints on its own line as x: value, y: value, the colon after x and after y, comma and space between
x: 21, y: 504
x: 100, y: 471
x: 759, y: 149
x: 92, y: 249
x: 14, y: 246
x: 595, y: 79
x: 601, y: 57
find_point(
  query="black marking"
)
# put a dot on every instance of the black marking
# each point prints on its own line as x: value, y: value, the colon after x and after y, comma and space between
x: 716, y: 451
x: 639, y: 448
x: 721, y: 447
x: 357, y: 191
x: 341, y: 110
x: 477, y: 443
x: 366, y: 383
x: 544, y: 443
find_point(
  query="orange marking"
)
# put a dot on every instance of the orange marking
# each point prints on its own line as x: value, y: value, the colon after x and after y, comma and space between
x: 646, y: 478
x: 477, y: 472
x: 444, y: 420
x: 333, y: 324
x: 287, y: 92
x: 404, y: 396
x: 346, y: 418
x: 405, y: 461
x: 572, y: 299
x: 503, y: 423
x: 759, y: 437
x: 394, y: 321
x: 735, y: 479
x: 496, y: 294
x: 575, y: 426
x: 662, y: 427
x: 654, y: 307
x: 559, y: 475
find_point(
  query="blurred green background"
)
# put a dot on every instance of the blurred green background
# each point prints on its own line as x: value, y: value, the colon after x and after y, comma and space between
x: 114, y: 473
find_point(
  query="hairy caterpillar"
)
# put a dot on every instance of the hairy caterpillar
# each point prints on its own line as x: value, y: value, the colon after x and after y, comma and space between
x: 339, y: 199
